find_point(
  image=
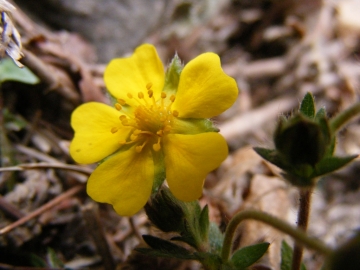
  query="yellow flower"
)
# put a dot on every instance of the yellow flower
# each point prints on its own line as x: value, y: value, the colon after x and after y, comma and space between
x: 157, y: 128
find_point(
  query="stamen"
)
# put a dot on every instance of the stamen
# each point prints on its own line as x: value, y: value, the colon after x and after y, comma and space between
x: 140, y: 95
x: 157, y: 146
x: 160, y: 133
x: 149, y: 85
x: 118, y: 106
x: 163, y: 95
x: 121, y: 101
x: 150, y: 93
x: 167, y: 128
x: 140, y: 147
x: 114, y: 130
x: 129, y: 95
x: 133, y: 137
x: 172, y: 98
x: 175, y: 113
x: 122, y: 117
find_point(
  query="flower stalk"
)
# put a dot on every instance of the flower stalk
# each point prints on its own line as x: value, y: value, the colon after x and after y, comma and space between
x: 302, y: 224
x: 299, y: 235
x: 343, y: 117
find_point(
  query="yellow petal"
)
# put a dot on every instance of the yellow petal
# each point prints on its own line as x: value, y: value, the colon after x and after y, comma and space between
x: 124, y: 180
x: 133, y: 74
x: 93, y: 139
x: 204, y: 89
x: 189, y: 158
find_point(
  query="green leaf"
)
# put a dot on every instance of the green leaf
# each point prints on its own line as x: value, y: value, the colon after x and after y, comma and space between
x: 36, y: 261
x: 13, y: 122
x: 331, y: 148
x: 272, y: 156
x: 286, y: 257
x: 321, y: 114
x: 216, y: 238
x: 208, y: 260
x: 204, y: 223
x: 164, y: 248
x: 247, y: 256
x: 9, y: 71
x: 330, y: 164
x: 53, y: 259
x: 307, y: 106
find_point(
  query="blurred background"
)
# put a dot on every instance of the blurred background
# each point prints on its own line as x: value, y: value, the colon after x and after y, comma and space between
x: 277, y: 51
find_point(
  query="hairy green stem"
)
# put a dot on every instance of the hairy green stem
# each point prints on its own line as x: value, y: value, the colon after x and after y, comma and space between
x: 302, y: 224
x: 341, y: 118
x: 275, y: 222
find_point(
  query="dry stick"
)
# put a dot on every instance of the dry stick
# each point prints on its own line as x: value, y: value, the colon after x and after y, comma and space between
x: 42, y: 209
x: 10, y: 209
x: 94, y: 226
x: 134, y: 228
x: 46, y: 76
x: 36, y: 166
x: 302, y: 223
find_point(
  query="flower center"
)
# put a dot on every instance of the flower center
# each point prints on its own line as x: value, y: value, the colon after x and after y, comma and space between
x: 151, y: 119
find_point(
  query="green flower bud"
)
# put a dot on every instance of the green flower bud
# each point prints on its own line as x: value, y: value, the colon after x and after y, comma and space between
x: 166, y: 212
x: 301, y: 141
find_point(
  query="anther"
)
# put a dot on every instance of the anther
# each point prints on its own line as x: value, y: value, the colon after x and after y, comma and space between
x: 114, y: 130
x: 175, y: 113
x: 172, y: 98
x: 129, y: 95
x: 133, y: 137
x: 160, y: 133
x: 140, y: 95
x: 149, y: 85
x: 157, y: 146
x: 140, y: 147
x: 121, y: 101
x: 150, y: 93
x: 163, y: 95
x: 167, y: 128
x: 118, y: 106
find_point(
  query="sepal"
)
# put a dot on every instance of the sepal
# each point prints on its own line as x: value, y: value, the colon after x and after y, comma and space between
x: 172, y: 75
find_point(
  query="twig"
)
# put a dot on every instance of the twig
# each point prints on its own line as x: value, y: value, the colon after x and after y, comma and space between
x: 91, y: 217
x: 35, y: 166
x: 43, y: 71
x: 10, y: 209
x: 42, y: 209
x: 134, y: 228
